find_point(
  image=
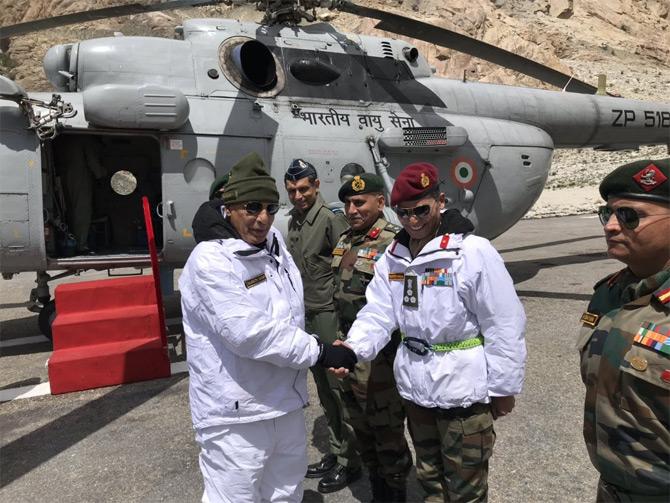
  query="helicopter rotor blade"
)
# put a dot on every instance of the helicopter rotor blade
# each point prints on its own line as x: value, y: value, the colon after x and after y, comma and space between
x: 95, y: 14
x: 419, y: 30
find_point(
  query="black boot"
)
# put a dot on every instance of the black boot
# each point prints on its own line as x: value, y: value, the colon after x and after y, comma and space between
x: 318, y: 470
x: 338, y: 478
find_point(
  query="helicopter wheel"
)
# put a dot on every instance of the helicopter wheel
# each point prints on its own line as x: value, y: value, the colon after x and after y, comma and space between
x: 46, y: 318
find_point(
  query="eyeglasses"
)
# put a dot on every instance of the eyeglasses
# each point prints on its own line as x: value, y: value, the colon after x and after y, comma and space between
x: 418, y: 211
x: 254, y: 208
x: 627, y: 217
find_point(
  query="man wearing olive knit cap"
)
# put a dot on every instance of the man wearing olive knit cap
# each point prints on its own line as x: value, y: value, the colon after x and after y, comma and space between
x: 248, y: 354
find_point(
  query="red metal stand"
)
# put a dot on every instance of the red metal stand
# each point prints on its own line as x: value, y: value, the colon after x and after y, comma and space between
x: 111, y: 331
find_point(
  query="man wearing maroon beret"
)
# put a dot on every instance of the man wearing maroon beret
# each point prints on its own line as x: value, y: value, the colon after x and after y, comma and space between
x: 463, y: 352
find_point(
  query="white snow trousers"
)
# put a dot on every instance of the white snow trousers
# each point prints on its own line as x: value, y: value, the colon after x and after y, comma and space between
x: 254, y: 462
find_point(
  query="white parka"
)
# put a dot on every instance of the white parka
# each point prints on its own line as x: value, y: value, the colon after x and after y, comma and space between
x: 243, y: 316
x: 476, y: 296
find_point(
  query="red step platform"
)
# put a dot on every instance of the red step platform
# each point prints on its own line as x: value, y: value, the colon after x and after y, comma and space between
x: 106, y: 333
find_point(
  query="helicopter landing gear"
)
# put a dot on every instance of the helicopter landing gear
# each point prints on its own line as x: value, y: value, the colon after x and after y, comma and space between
x: 46, y: 318
x: 41, y: 302
x: 40, y: 295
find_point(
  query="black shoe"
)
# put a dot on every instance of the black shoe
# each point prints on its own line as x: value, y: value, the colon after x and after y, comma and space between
x: 339, y: 478
x: 318, y: 470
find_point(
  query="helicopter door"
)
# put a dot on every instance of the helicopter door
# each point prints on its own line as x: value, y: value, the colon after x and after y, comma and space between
x: 190, y: 165
x: 21, y: 219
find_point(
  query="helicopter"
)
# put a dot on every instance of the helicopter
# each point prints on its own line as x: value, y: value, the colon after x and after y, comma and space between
x: 166, y: 117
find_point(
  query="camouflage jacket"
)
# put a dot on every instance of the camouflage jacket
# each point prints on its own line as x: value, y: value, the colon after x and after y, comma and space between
x: 625, y: 365
x: 353, y: 264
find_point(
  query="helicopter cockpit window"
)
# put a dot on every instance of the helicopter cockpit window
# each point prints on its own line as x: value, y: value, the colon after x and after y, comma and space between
x: 123, y: 182
x: 251, y: 66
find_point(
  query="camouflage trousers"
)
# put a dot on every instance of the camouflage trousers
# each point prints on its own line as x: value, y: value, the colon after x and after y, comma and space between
x: 609, y: 493
x: 341, y: 438
x: 373, y: 407
x: 453, y: 447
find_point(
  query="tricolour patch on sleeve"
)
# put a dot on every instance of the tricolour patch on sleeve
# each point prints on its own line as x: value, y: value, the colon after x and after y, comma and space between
x: 663, y: 296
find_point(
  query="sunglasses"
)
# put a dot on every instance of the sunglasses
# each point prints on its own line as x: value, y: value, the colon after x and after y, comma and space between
x: 627, y: 217
x: 254, y: 208
x: 418, y: 211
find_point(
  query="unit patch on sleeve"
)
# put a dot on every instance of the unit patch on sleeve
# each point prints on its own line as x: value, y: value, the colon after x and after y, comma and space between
x: 256, y: 280
x: 654, y: 336
x: 437, y: 277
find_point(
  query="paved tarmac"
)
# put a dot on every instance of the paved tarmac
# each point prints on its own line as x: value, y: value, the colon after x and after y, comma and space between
x: 135, y: 442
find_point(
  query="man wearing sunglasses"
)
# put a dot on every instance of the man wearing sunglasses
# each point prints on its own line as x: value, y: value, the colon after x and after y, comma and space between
x: 313, y: 231
x: 247, y: 351
x: 371, y: 401
x: 462, y: 357
x: 625, y: 339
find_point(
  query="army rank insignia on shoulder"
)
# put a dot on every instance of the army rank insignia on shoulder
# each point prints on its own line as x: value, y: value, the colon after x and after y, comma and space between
x: 654, y: 337
x: 256, y: 280
x: 410, y: 294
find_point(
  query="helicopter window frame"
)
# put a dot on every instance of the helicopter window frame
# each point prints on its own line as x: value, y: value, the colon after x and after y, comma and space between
x: 232, y: 73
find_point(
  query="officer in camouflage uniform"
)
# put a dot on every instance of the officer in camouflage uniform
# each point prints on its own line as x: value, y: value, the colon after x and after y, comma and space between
x: 372, y: 404
x: 313, y: 231
x: 625, y: 340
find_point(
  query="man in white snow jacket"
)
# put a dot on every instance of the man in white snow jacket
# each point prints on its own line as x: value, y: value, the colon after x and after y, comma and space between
x: 248, y: 354
x: 463, y: 352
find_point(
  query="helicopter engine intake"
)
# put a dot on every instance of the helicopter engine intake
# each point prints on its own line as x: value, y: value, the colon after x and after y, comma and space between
x: 60, y: 66
x: 255, y: 63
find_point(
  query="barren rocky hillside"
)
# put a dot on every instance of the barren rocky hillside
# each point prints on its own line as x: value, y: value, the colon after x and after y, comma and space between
x: 628, y: 40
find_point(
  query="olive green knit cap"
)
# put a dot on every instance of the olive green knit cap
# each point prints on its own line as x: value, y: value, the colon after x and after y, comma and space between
x: 250, y: 181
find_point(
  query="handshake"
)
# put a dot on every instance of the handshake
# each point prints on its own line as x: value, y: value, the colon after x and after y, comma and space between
x: 336, y: 357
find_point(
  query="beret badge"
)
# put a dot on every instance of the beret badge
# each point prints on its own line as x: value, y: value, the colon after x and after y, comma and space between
x: 425, y: 181
x: 358, y: 184
x: 649, y: 178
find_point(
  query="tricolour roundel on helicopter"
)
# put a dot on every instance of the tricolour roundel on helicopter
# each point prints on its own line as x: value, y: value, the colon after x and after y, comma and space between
x: 464, y: 173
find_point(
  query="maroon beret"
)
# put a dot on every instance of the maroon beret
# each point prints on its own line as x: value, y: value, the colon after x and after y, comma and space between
x: 413, y: 182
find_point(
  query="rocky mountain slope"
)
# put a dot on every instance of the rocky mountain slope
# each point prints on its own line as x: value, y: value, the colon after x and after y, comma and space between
x: 628, y: 40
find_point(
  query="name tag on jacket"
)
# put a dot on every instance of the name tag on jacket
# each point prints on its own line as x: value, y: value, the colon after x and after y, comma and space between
x: 256, y: 280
